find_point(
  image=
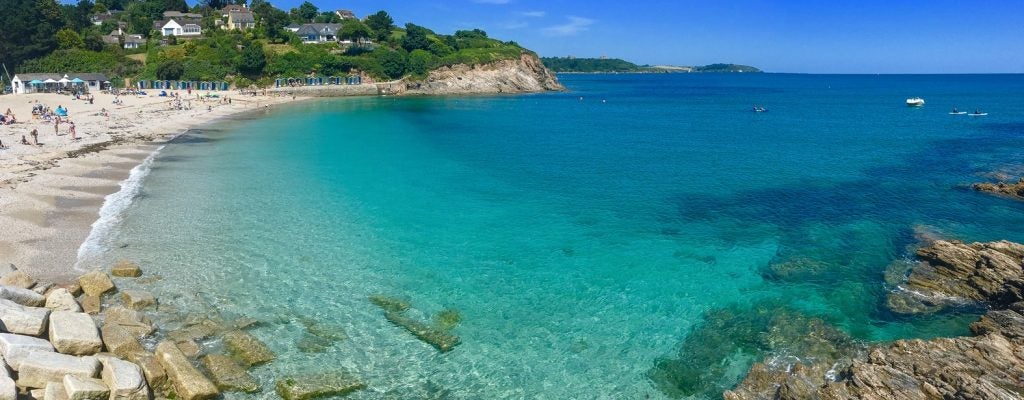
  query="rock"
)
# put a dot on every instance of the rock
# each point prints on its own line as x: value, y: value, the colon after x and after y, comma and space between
x: 61, y: 300
x: 16, y: 348
x: 42, y: 288
x: 188, y: 382
x: 229, y: 375
x: 42, y: 367
x: 7, y: 269
x: 38, y: 393
x: 189, y: 348
x: 91, y: 304
x: 95, y: 283
x: 125, y: 380
x: 303, y: 387
x: 137, y: 299
x: 524, y: 74
x: 155, y: 375
x: 389, y: 303
x: 74, y: 333
x: 55, y: 391
x: 438, y: 338
x: 72, y: 287
x: 1012, y: 190
x: 16, y: 318
x: 133, y: 321
x: 247, y: 348
x: 313, y: 344
x: 22, y: 296
x: 18, y: 279
x: 78, y: 388
x: 198, y: 330
x: 120, y: 341
x: 245, y: 323
x: 126, y: 269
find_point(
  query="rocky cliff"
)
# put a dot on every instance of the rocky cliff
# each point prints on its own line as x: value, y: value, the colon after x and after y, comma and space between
x: 988, y: 365
x: 523, y: 75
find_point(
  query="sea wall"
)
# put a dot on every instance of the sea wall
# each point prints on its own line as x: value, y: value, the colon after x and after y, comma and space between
x: 988, y: 365
x: 526, y: 74
x: 367, y: 89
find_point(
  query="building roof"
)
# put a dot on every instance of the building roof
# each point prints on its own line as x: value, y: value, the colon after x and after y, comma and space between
x: 319, y: 29
x: 346, y: 14
x: 180, y: 21
x: 177, y: 14
x: 241, y: 17
x: 232, y: 7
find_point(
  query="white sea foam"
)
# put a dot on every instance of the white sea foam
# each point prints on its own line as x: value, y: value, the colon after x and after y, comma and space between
x: 112, y: 211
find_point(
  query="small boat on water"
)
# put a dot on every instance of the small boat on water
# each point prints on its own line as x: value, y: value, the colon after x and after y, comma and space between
x: 957, y: 112
x: 978, y: 113
x: 915, y: 102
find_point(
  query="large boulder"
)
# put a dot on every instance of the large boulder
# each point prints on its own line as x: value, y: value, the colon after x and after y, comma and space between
x: 247, y: 348
x: 16, y: 348
x: 131, y: 320
x: 188, y: 382
x: 303, y: 387
x: 92, y: 305
x: 229, y: 375
x: 16, y: 318
x: 95, y: 283
x: 18, y: 279
x: 42, y: 367
x: 74, y: 333
x: 60, y: 299
x: 137, y: 299
x: 155, y: 375
x: 78, y: 388
x: 22, y: 296
x: 55, y: 391
x: 120, y: 341
x: 125, y: 379
x: 126, y: 269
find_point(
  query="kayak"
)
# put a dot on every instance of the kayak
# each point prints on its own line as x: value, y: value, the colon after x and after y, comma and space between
x: 978, y: 114
x: 958, y: 113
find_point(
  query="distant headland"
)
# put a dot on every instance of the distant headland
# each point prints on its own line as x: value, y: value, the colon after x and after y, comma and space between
x: 616, y: 65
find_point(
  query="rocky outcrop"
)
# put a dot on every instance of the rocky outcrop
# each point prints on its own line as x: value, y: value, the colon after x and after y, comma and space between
x: 953, y: 273
x: 526, y: 74
x: 988, y: 365
x: 1013, y: 190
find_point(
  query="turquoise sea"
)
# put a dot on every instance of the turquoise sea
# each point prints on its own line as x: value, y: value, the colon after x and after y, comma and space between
x: 588, y: 240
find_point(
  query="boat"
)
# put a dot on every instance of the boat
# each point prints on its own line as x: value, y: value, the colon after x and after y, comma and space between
x: 958, y: 113
x: 977, y: 114
x: 915, y: 102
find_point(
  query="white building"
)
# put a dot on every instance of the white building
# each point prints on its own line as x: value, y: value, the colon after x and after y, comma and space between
x: 179, y: 26
x: 32, y: 83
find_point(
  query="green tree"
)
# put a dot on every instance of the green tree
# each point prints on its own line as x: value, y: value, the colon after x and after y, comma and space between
x: 420, y: 62
x: 415, y: 38
x: 307, y: 12
x: 253, y: 60
x: 170, y: 70
x: 354, y: 30
x: 28, y: 29
x: 393, y: 63
x: 381, y: 24
x: 272, y: 20
x: 473, y: 34
x: 328, y: 17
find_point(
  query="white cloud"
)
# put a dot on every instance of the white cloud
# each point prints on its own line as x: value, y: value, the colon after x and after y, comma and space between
x: 574, y: 26
x: 534, y: 14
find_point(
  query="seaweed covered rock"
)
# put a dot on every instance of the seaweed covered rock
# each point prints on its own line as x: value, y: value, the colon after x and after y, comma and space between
x: 729, y: 336
x: 247, y: 348
x: 1013, y: 190
x: 229, y: 375
x: 303, y: 387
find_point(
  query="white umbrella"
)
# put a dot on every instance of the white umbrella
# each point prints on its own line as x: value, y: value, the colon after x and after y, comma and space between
x: 50, y: 81
x: 64, y: 81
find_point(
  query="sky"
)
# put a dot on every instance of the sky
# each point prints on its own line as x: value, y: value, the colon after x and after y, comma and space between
x: 901, y: 36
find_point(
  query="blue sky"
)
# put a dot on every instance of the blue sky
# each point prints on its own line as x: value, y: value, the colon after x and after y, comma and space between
x: 793, y: 36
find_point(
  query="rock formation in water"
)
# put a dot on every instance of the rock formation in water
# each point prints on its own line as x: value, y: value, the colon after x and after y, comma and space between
x: 523, y: 75
x: 989, y: 365
x: 1014, y: 190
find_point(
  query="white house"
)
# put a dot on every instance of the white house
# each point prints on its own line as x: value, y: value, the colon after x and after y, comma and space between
x: 179, y: 26
x: 318, y: 33
x: 23, y: 83
x: 240, y: 20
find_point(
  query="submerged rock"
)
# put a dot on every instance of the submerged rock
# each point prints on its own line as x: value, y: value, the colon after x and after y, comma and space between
x: 438, y: 338
x: 247, y: 348
x: 126, y: 269
x: 229, y: 375
x: 303, y: 387
x: 137, y: 299
x: 390, y: 304
x: 1013, y: 190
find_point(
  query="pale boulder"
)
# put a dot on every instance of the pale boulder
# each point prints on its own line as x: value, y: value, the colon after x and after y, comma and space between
x: 55, y: 391
x: 16, y: 318
x: 133, y: 321
x: 188, y: 382
x: 155, y: 375
x: 8, y: 390
x: 61, y: 300
x: 119, y: 341
x: 16, y: 348
x: 41, y: 367
x: 125, y: 379
x: 74, y: 333
x: 18, y: 279
x: 126, y: 269
x: 137, y: 299
x: 95, y: 283
x: 78, y: 388
x: 22, y: 296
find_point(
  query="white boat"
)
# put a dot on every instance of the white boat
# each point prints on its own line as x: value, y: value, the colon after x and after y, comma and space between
x: 915, y: 102
x: 958, y: 113
x: 977, y: 114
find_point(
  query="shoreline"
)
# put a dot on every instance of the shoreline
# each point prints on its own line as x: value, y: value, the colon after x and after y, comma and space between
x: 51, y: 195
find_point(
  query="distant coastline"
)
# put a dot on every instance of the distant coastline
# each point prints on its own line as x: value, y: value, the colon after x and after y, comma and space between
x: 575, y: 65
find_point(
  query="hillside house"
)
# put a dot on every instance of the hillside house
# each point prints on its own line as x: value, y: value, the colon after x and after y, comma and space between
x: 182, y: 26
x: 240, y: 20
x: 318, y: 33
x: 345, y: 14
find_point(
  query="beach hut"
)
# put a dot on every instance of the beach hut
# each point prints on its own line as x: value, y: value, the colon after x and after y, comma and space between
x: 64, y: 82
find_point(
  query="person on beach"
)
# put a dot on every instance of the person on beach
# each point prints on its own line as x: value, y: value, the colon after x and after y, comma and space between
x: 35, y: 137
x: 71, y: 130
x: 23, y: 140
x: 56, y: 126
x: 2, y: 145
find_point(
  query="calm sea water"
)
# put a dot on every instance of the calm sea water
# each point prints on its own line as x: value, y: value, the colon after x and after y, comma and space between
x: 580, y: 241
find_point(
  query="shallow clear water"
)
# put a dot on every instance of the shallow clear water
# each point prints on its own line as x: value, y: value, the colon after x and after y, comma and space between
x: 580, y: 240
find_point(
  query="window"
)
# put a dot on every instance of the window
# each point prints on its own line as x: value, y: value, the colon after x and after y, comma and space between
x: 191, y: 28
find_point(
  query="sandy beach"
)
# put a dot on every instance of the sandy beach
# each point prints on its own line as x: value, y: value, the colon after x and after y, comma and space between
x: 51, y: 194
